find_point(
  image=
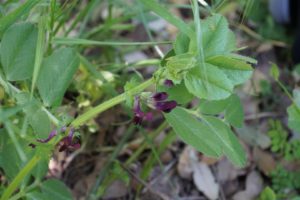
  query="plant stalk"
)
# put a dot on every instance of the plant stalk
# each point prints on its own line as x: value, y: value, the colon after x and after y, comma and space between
x: 109, y: 103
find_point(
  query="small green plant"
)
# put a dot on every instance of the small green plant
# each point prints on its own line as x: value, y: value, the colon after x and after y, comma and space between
x: 278, y: 136
x: 267, y: 194
x: 285, y: 183
x: 290, y: 149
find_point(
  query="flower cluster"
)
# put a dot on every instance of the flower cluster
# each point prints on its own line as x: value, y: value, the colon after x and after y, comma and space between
x: 157, y: 101
x: 68, y: 142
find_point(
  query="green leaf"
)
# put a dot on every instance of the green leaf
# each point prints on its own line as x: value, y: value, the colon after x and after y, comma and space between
x: 242, y: 58
x: 236, y: 70
x: 294, y: 118
x: 10, y: 159
x: 37, y: 117
x: 210, y: 135
x: 232, y: 108
x: 217, y: 38
x: 178, y: 93
x: 40, y: 122
x: 267, y: 194
x: 222, y: 70
x: 177, y: 66
x: 10, y: 162
x: 12, y: 17
x: 56, y: 189
x: 234, y: 113
x: 56, y: 74
x: 5, y: 113
x: 181, y: 44
x: 154, y: 6
x: 193, y: 132
x: 213, y: 107
x: 216, y: 85
x: 17, y: 51
x: 38, y: 196
x: 230, y: 144
x: 274, y: 71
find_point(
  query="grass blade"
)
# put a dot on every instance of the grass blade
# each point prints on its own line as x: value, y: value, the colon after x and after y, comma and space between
x: 39, y: 50
x: 164, y: 13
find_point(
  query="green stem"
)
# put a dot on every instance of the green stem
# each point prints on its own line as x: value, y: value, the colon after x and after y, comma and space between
x: 19, y: 178
x: 78, y: 41
x: 23, y: 193
x: 109, y: 103
x: 288, y: 94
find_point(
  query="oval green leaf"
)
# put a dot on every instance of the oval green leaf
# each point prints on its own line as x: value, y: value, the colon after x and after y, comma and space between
x: 56, y: 74
x: 17, y: 51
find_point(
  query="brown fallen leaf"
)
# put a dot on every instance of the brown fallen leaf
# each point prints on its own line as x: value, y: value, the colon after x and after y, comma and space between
x: 209, y: 160
x: 184, y: 167
x: 264, y: 161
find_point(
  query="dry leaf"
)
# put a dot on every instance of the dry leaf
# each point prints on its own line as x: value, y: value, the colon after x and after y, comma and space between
x: 205, y: 181
x: 209, y: 160
x: 117, y: 189
x: 254, y: 186
x: 264, y: 161
x: 226, y: 171
x: 184, y: 166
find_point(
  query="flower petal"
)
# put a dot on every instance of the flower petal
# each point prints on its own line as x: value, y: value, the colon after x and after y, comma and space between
x: 160, y: 96
x: 166, y: 106
x: 51, y: 135
x: 137, y: 119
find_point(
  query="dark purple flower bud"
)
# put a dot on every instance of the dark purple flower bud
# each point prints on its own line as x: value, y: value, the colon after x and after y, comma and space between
x: 160, y: 96
x: 166, y: 106
x: 137, y: 120
x: 67, y: 142
x: 168, y: 83
x: 51, y: 135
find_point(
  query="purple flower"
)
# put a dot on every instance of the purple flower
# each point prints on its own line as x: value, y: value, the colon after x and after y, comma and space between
x: 69, y: 142
x: 160, y: 96
x: 160, y: 104
x: 51, y: 135
x: 139, y: 115
x: 156, y: 101
x: 168, y: 83
x: 165, y: 106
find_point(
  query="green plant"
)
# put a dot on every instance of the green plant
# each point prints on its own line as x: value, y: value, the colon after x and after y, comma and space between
x: 278, y: 136
x: 38, y: 66
x: 290, y: 149
x: 285, y: 183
